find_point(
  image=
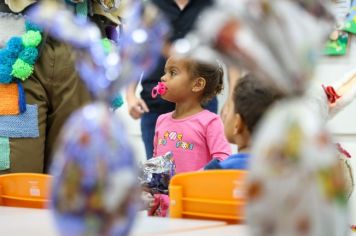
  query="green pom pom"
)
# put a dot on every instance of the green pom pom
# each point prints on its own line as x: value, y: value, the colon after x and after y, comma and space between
x: 31, y: 38
x: 106, y: 45
x: 21, y: 70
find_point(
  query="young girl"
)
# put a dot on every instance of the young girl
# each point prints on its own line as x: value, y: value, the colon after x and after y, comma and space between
x: 194, y: 135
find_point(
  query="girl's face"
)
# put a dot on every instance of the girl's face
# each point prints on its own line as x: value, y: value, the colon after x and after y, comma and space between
x: 177, y: 79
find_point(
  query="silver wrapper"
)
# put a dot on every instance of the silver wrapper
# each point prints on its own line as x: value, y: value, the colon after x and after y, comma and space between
x: 156, y: 173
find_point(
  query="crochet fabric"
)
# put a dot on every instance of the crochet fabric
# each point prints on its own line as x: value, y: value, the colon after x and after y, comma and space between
x: 4, y: 153
x: 24, y: 125
x: 9, y: 97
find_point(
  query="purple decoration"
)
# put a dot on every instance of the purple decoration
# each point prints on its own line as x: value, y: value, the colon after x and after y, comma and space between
x: 95, y: 185
x: 105, y: 73
x: 95, y: 188
x: 141, y: 41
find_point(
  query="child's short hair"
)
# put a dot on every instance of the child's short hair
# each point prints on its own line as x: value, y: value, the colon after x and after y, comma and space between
x: 252, y: 97
x: 212, y: 73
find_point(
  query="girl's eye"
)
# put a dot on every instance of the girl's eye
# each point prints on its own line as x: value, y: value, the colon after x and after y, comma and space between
x: 173, y: 73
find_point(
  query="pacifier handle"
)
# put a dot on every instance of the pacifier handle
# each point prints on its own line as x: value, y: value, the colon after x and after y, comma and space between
x: 154, y: 92
x: 160, y: 89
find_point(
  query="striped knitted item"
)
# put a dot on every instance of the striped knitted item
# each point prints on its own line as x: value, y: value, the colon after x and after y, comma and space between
x: 4, y: 153
x: 9, y: 99
x: 24, y: 125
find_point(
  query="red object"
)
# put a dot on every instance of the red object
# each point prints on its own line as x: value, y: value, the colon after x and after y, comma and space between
x: 342, y: 150
x: 353, y: 228
x: 331, y: 93
x: 160, y: 205
x: 160, y: 89
x: 225, y: 40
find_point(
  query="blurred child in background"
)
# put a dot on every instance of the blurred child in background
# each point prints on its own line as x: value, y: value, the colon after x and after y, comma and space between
x: 251, y: 99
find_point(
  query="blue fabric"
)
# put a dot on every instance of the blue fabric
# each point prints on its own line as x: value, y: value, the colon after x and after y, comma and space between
x: 22, y: 98
x: 148, y: 124
x: 29, y: 55
x: 31, y: 26
x: 212, y: 105
x: 24, y: 125
x: 212, y: 165
x: 235, y: 161
x: 14, y: 45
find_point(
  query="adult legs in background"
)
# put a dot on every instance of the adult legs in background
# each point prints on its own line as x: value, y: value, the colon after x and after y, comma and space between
x: 148, y: 124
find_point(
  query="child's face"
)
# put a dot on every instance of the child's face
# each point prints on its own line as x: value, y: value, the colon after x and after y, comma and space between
x: 177, y: 79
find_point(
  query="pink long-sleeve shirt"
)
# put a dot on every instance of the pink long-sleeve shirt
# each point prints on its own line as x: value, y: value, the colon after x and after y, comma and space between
x: 194, y: 141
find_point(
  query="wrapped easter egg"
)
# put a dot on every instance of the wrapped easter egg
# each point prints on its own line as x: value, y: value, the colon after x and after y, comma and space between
x: 296, y: 184
x: 95, y: 186
x: 278, y: 40
x: 142, y: 40
x: 104, y: 65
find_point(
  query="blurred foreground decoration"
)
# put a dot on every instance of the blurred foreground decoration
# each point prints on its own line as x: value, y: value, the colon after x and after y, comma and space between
x: 95, y: 188
x: 277, y: 40
x: 296, y: 185
x: 295, y: 172
x: 105, y: 72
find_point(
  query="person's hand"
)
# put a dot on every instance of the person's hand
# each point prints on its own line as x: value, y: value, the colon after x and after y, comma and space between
x: 136, y: 106
x: 147, y: 200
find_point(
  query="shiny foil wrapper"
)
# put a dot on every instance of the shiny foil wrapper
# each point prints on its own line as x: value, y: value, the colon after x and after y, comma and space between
x: 156, y: 173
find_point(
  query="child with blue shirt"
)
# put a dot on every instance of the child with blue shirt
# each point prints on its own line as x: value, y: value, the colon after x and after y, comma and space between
x: 251, y: 99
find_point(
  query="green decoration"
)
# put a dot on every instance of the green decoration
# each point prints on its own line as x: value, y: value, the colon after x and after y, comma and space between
x: 337, y: 47
x: 31, y: 38
x: 21, y: 70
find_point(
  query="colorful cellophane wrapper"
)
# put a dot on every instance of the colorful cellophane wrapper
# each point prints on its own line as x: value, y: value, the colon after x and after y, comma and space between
x: 95, y: 188
x: 156, y: 173
x: 296, y: 184
x: 278, y: 40
x: 348, y: 173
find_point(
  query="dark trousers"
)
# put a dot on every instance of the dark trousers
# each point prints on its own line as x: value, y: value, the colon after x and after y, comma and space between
x: 148, y: 124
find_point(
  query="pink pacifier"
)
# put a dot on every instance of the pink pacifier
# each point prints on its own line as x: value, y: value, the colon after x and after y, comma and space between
x: 160, y: 89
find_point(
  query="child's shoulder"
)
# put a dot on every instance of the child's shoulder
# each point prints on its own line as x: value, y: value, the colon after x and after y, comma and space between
x: 209, y: 116
x: 164, y: 116
x: 205, y: 116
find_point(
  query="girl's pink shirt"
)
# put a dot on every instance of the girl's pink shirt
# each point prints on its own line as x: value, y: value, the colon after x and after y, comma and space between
x: 194, y: 141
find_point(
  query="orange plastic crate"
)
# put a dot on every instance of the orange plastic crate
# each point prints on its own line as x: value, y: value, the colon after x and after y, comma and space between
x: 25, y: 190
x: 213, y: 194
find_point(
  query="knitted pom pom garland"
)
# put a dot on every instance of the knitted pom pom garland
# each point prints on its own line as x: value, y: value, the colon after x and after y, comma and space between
x: 20, y: 55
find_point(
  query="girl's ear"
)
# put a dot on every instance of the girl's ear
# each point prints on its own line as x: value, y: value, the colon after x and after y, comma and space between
x: 199, y: 84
